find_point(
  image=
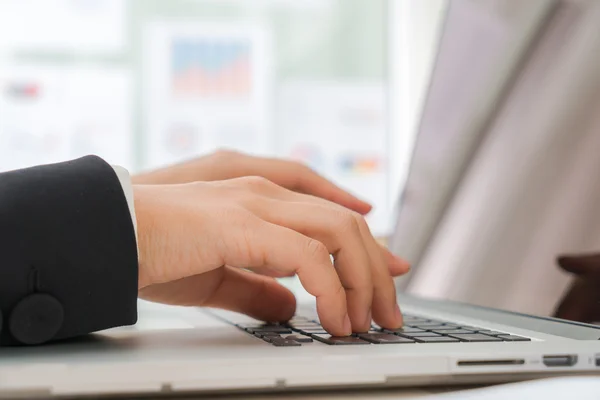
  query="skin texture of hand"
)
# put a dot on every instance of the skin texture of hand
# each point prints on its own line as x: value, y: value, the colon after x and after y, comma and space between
x: 225, y: 164
x: 197, y: 242
x: 582, y: 301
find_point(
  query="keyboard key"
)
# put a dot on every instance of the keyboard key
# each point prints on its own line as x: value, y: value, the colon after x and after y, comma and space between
x: 453, y: 332
x: 311, y: 331
x: 436, y: 339
x: 338, y: 340
x: 269, y: 339
x: 383, y: 338
x: 285, y: 343
x: 446, y: 327
x: 476, y: 337
x: 472, y: 328
x: 302, y: 327
x: 299, y: 338
x: 419, y: 334
x: 514, y: 338
x: 493, y: 333
x: 433, y: 327
x: 276, y: 329
x: 265, y: 334
x: 404, y: 330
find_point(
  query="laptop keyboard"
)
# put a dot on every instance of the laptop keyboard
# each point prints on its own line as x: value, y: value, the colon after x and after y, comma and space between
x: 417, y: 330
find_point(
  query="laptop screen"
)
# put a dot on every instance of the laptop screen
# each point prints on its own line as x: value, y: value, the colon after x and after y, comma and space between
x: 468, y: 209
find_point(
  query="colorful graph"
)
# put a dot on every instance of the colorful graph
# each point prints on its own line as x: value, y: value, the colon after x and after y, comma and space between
x: 361, y: 164
x: 205, y: 67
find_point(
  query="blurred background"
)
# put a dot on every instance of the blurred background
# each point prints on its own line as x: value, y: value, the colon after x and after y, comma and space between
x: 483, y: 114
x: 145, y: 83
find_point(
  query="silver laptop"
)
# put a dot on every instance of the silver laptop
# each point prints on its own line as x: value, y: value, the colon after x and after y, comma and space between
x: 487, y: 51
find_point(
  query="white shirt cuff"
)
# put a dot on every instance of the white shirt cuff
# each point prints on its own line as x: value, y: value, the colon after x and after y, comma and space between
x: 127, y: 186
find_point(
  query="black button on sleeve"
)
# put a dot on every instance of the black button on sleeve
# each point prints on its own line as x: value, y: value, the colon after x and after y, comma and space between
x: 36, y: 319
x: 66, y: 238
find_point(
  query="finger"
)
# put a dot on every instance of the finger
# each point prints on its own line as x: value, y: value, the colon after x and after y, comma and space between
x: 340, y: 233
x: 300, y: 178
x: 257, y: 296
x: 273, y: 273
x: 384, y: 303
x: 386, y: 311
x: 263, y: 244
x: 581, y: 264
x: 396, y: 265
x: 580, y: 303
x: 265, y: 187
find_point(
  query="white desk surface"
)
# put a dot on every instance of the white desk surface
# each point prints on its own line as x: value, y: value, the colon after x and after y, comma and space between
x: 581, y: 388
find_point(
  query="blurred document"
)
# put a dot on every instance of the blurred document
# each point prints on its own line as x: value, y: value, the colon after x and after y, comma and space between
x: 50, y: 114
x: 206, y: 87
x: 339, y: 129
x: 59, y: 25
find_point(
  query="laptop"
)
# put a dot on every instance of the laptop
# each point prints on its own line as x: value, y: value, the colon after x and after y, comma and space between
x: 177, y: 351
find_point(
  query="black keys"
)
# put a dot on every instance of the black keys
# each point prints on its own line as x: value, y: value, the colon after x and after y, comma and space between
x: 270, y: 338
x: 300, y: 339
x: 476, y: 337
x: 383, y: 338
x: 267, y: 328
x: 492, y: 333
x: 453, y: 332
x: 338, y: 340
x: 418, y: 334
x: 434, y: 327
x: 265, y: 334
x: 436, y: 339
x: 445, y: 327
x: 285, y: 343
x: 313, y: 331
x: 403, y: 330
x: 514, y: 338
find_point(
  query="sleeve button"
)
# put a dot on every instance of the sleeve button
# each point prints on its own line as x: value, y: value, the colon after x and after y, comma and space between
x: 36, y: 319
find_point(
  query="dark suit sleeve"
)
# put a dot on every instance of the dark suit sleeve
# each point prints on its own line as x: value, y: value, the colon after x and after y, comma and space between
x: 68, y: 252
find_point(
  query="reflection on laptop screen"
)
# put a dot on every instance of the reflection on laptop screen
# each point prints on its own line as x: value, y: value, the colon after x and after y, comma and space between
x: 470, y: 218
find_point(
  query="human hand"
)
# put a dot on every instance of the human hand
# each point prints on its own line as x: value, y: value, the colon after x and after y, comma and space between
x: 582, y: 301
x: 196, y: 240
x: 225, y: 164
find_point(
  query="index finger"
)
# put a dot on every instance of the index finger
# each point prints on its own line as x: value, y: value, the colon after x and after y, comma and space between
x: 286, y: 250
x: 300, y: 178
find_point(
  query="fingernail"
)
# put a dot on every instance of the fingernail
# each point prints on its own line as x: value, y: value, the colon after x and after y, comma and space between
x: 403, y: 262
x: 347, y: 325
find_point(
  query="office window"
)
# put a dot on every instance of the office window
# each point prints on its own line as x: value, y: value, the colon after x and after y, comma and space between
x: 145, y: 83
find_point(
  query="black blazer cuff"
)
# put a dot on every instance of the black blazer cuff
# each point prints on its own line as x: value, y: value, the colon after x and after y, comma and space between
x: 68, y: 252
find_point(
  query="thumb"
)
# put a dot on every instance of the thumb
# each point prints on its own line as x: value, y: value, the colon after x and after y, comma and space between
x: 255, y: 295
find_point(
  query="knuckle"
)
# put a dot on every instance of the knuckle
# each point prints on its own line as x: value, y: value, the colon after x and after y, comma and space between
x: 257, y: 182
x: 361, y: 221
x: 348, y: 222
x: 316, y: 250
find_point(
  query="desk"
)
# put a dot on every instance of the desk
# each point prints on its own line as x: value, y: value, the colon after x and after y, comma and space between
x: 583, y: 388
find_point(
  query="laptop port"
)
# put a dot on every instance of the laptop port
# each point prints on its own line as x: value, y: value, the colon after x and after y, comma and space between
x: 598, y: 360
x: 479, y: 363
x: 560, y: 361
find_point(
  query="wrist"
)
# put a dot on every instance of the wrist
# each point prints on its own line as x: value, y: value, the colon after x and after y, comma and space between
x: 143, y: 217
